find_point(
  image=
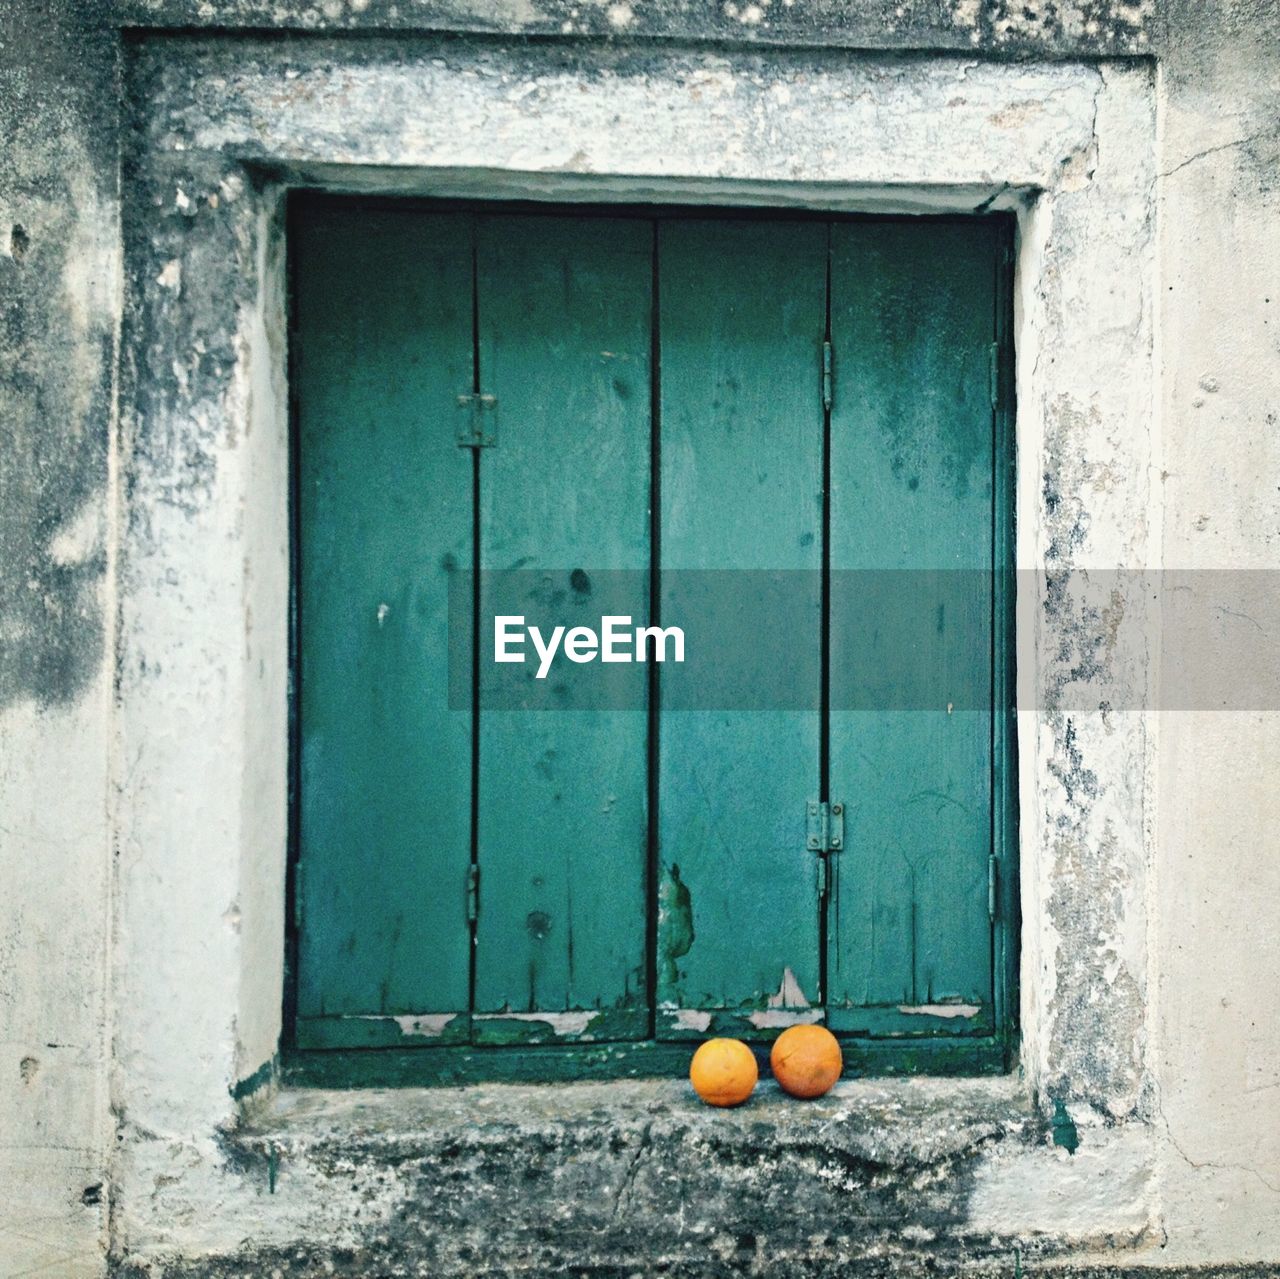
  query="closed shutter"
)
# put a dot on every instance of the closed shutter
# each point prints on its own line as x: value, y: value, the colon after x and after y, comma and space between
x: 785, y: 427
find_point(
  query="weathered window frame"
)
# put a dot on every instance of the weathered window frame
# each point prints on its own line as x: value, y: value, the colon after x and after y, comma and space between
x: 221, y: 132
x: 419, y: 1061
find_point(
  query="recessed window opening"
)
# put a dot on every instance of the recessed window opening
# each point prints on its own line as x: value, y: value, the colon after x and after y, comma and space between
x: 795, y: 427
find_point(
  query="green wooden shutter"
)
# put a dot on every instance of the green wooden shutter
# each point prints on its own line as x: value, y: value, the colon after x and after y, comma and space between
x: 742, y: 312
x: 401, y: 312
x: 383, y: 345
x: 564, y: 336
x: 913, y: 308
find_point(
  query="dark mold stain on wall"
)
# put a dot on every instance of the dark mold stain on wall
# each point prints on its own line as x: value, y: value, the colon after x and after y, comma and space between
x: 195, y: 252
x: 58, y: 96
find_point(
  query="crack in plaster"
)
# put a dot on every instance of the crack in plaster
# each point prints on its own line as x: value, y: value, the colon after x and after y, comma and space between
x: 1248, y: 1169
x: 1222, y: 146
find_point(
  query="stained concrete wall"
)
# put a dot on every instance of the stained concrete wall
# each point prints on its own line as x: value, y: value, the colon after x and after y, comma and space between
x: 1219, y: 858
x: 1212, y: 902
x: 59, y: 314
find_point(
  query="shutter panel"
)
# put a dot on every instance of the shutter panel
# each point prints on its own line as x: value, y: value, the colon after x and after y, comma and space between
x: 383, y: 346
x: 579, y: 938
x: 565, y: 331
x: 913, y: 320
x: 742, y: 308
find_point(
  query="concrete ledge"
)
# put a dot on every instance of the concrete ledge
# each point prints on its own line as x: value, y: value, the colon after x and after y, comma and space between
x: 636, y: 1178
x: 887, y: 1123
x: 628, y: 1177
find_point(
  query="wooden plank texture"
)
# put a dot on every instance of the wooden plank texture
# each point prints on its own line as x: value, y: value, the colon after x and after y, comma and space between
x: 383, y: 346
x: 742, y: 309
x: 912, y: 322
x: 396, y: 311
x: 565, y: 328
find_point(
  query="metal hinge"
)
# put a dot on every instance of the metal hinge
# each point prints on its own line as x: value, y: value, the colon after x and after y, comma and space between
x: 992, y: 876
x: 826, y: 376
x: 473, y: 893
x: 825, y: 826
x: 480, y: 429
x: 993, y: 365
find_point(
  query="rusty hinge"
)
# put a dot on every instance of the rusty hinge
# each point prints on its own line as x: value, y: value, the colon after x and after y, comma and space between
x: 993, y: 872
x: 824, y: 826
x: 827, y: 383
x: 473, y: 893
x: 480, y: 427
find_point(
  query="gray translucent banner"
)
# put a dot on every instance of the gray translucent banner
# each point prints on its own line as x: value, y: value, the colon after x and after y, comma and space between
x: 898, y: 640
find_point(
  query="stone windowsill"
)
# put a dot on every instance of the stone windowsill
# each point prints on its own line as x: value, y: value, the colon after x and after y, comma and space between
x: 502, y: 1179
x: 888, y: 1121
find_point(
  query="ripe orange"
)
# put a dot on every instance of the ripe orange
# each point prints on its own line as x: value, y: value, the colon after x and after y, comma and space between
x: 723, y: 1072
x: 806, y: 1060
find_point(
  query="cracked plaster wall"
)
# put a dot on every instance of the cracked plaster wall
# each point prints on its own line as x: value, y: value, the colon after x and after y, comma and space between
x: 1218, y: 953
x: 1213, y: 502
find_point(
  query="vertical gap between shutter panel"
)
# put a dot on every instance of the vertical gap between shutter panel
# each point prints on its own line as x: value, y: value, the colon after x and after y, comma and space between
x: 1003, y: 799
x: 996, y: 563
x: 653, y: 852
x: 293, y: 886
x: 824, y: 694
x: 476, y: 454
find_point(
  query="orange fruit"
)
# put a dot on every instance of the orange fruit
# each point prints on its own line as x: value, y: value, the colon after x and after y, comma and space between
x: 806, y: 1060
x: 723, y: 1072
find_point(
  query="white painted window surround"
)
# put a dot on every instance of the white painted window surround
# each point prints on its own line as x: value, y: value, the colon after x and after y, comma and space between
x: 201, y: 750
